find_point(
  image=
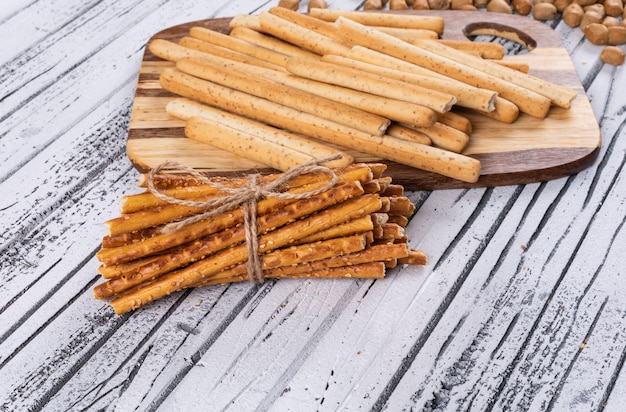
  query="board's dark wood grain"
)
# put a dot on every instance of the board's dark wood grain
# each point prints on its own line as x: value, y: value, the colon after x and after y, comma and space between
x: 566, y: 142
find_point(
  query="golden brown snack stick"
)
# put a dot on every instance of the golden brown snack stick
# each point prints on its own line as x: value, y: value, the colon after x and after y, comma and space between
x: 310, y: 23
x: 244, y: 144
x: 445, y: 137
x: 406, y: 133
x: 486, y: 50
x: 415, y: 257
x: 466, y: 95
x: 197, y: 272
x: 408, y: 34
x: 359, y: 225
x: 286, y: 95
x: 370, y: 83
x: 271, y: 43
x: 457, y: 121
x: 289, y: 4
x: 170, y: 51
x: 185, y: 109
x: 528, y: 101
x: 283, y: 257
x: 300, y: 36
x: 401, y: 111
x: 249, y: 21
x: 559, y: 95
x: 238, y: 45
x: 409, y: 21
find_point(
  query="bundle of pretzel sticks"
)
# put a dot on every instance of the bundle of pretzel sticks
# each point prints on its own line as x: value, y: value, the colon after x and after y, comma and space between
x: 349, y: 223
x: 282, y: 87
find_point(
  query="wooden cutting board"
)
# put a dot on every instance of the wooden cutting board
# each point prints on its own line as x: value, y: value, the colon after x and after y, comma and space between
x: 529, y: 150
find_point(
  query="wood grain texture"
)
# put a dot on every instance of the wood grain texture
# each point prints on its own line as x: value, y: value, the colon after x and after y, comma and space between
x: 529, y: 150
x: 520, y: 307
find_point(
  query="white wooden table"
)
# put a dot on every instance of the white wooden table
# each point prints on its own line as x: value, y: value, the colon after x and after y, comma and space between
x: 521, y: 307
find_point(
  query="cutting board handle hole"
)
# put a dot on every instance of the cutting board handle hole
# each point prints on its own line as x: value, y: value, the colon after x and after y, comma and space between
x: 519, y: 42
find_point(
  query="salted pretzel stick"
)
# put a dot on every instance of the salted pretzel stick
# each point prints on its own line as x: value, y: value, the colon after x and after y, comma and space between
x: 185, y: 109
x: 173, y: 52
x: 275, y: 239
x: 466, y: 95
x: 286, y: 95
x: 371, y: 83
x: 409, y: 21
x: 249, y: 21
x: 319, y: 268
x: 401, y: 111
x: 156, y: 244
x: 561, y: 96
x: 415, y: 257
x: 528, y: 101
x: 359, y: 225
x: 282, y: 257
x: 401, y: 205
x: 238, y: 45
x: 141, y: 201
x: 300, y: 36
x: 271, y: 43
x: 406, y: 133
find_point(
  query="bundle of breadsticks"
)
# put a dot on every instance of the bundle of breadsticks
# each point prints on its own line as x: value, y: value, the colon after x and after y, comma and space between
x: 284, y: 87
x: 345, y: 222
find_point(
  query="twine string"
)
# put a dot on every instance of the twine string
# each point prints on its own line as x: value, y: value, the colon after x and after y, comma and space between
x: 246, y: 196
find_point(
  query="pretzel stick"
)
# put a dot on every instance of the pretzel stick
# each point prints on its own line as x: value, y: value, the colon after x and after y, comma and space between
x: 359, y: 225
x: 197, y: 272
x: 215, y: 224
x: 409, y: 21
x: 393, y: 109
x: 466, y: 95
x: 300, y: 36
x: 415, y: 257
x: 528, y: 101
x: 272, y: 43
x: 141, y: 201
x: 282, y: 257
x: 286, y: 95
x: 186, y: 109
x: 559, y: 95
x: 371, y: 83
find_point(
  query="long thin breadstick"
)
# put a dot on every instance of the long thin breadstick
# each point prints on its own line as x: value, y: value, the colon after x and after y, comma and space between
x: 486, y: 50
x: 249, y: 21
x: 528, y: 101
x: 466, y: 95
x: 310, y: 23
x: 401, y: 111
x: 186, y: 109
x: 558, y: 95
x: 300, y: 36
x: 278, y: 238
x: 370, y: 83
x: 286, y: 95
x: 271, y: 43
x: 446, y: 137
x: 410, y: 21
x: 406, y: 133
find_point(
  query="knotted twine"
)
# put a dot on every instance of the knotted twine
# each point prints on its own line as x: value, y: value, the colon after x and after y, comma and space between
x: 246, y: 196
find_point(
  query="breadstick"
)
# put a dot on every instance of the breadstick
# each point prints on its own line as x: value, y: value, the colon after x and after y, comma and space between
x: 528, y: 101
x: 406, y: 112
x: 249, y: 21
x: 271, y: 43
x: 286, y: 95
x: 197, y: 272
x: 466, y: 95
x: 486, y: 50
x: 409, y: 21
x: 310, y: 23
x: 300, y: 36
x: 445, y: 137
x: 408, y: 34
x: 406, y: 133
x: 244, y: 144
x: 186, y: 108
x: 238, y: 45
x: 457, y: 121
x: 370, y: 83
x: 559, y: 95
x: 170, y: 51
